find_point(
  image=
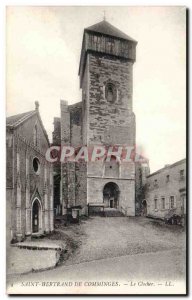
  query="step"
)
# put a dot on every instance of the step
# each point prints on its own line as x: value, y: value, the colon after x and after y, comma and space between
x: 113, y: 214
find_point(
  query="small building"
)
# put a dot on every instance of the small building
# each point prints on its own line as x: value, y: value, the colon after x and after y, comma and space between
x: 166, y: 191
x: 29, y: 184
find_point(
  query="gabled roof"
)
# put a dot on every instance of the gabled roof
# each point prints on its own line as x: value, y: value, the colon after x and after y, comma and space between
x: 18, y: 119
x: 168, y: 167
x: 106, y: 28
x: 76, y: 105
x: 14, y: 121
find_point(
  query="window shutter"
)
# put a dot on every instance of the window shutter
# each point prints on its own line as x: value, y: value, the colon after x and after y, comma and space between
x: 167, y: 202
x: 175, y: 202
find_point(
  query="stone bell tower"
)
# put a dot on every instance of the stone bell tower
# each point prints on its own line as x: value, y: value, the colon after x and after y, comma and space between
x: 106, y: 80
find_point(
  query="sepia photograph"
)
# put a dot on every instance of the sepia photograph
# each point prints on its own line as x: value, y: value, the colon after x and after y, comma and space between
x: 96, y: 166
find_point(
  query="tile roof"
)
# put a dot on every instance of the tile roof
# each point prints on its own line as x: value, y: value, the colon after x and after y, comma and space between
x: 17, y: 119
x: 75, y: 105
x: 168, y: 167
x: 106, y: 28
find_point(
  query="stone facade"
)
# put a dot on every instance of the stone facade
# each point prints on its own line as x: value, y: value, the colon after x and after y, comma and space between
x: 103, y: 117
x: 29, y: 177
x: 142, y: 170
x: 166, y: 190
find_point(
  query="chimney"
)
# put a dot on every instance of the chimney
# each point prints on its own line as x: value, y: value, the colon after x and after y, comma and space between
x: 64, y: 105
x: 37, y: 105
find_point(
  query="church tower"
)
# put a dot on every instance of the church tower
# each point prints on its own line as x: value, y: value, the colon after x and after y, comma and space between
x: 106, y: 80
x: 104, y: 118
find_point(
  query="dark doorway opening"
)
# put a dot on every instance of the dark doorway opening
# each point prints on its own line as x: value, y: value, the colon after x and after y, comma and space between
x: 111, y: 203
x: 144, y: 207
x: 35, y: 216
x: 111, y: 195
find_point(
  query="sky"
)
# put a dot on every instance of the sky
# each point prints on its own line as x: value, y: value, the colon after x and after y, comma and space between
x: 43, y: 47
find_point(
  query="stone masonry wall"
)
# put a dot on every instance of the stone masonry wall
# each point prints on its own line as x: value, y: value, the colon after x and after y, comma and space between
x: 95, y: 188
x: 158, y: 187
x: 85, y: 103
x: 81, y: 183
x: 74, y: 184
x: 9, y: 160
x: 26, y: 179
x: 97, y: 121
x: 111, y: 123
x: 65, y: 140
x: 76, y: 124
x: 57, y: 131
x: 26, y: 131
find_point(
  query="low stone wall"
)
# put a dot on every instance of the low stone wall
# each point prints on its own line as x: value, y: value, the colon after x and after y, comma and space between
x: 33, y: 256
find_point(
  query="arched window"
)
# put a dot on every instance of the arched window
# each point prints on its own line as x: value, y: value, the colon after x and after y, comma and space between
x: 36, y: 165
x: 110, y: 92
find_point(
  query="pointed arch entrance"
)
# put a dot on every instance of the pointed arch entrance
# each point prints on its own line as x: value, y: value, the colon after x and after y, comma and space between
x: 36, y: 216
x: 111, y: 195
x: 144, y: 207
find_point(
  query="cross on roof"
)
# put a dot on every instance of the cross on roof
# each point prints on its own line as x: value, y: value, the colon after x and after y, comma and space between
x: 104, y: 16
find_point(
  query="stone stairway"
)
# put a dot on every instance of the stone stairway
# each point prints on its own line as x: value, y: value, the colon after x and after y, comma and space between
x: 113, y: 213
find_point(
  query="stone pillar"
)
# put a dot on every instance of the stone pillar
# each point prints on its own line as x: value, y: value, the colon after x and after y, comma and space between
x: 51, y: 200
x: 27, y: 200
x: 46, y: 213
x: 64, y: 188
x: 60, y: 207
x: 65, y: 123
x: 65, y: 141
x: 71, y: 183
x: 18, y: 201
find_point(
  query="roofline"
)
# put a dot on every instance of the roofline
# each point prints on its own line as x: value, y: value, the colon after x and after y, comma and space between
x: 81, y: 52
x: 75, y: 105
x: 45, y: 132
x: 168, y: 167
x: 24, y: 119
x: 110, y: 35
x: 104, y: 34
x: 20, y: 121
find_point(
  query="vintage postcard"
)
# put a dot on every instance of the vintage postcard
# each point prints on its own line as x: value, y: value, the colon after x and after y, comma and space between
x: 96, y: 196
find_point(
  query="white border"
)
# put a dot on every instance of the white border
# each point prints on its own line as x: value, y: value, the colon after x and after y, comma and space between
x: 3, y: 4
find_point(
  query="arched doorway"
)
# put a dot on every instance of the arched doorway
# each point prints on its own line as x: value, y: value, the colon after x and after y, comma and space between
x: 111, y: 195
x: 36, y: 216
x: 144, y: 207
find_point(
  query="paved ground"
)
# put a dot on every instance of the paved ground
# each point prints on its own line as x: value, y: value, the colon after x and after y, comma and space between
x: 120, y: 249
x: 30, y: 255
x: 110, y: 237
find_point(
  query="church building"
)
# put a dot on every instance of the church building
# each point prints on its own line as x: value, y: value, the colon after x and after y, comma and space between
x: 104, y: 116
x: 29, y: 183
